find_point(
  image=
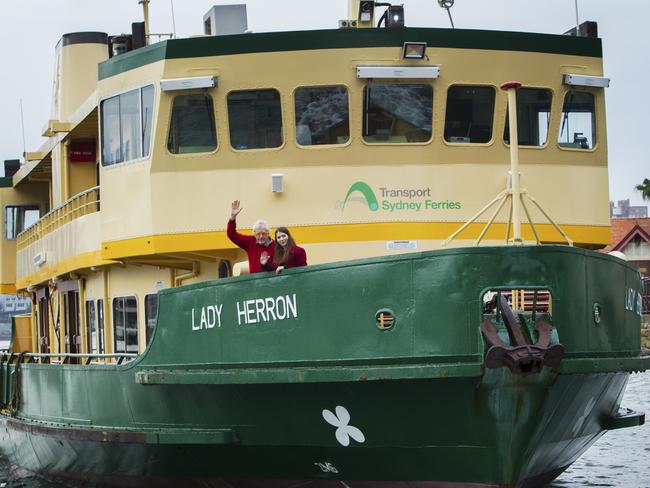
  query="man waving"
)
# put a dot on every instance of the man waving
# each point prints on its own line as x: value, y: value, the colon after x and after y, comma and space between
x: 259, y: 246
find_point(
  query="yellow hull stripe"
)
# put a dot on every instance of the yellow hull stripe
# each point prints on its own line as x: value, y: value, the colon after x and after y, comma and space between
x: 587, y: 235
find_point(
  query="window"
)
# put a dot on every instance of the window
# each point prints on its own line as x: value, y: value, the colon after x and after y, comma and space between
x: 395, y: 113
x: 533, y: 115
x: 95, y: 326
x: 150, y: 314
x: 578, y: 126
x: 322, y: 115
x: 470, y: 114
x: 43, y: 322
x: 100, y: 326
x: 126, y: 126
x: 125, y: 324
x: 255, y: 119
x: 92, y: 339
x: 192, y: 128
x: 18, y: 218
x: 224, y: 270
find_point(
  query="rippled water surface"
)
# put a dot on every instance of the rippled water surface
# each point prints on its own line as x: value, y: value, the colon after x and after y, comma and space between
x: 620, y: 459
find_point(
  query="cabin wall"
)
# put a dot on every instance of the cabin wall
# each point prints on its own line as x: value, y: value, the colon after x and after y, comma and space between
x: 82, y: 176
x: 171, y: 210
x: 189, y: 195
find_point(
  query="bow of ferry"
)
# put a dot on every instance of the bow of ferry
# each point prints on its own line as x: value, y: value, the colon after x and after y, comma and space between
x: 405, y: 354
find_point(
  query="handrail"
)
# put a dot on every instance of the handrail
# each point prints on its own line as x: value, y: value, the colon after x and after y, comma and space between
x: 82, y: 203
x: 31, y: 356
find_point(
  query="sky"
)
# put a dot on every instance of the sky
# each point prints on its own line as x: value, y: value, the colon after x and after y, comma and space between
x: 30, y: 29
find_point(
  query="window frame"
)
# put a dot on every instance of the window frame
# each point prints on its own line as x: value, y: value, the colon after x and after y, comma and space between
x: 87, y: 329
x: 4, y: 219
x: 492, y: 140
x: 550, y: 121
x: 217, y: 136
x: 146, y: 319
x: 101, y: 325
x: 593, y: 93
x: 282, y: 120
x: 295, y: 127
x: 153, y: 123
x: 114, y: 329
x: 399, y: 81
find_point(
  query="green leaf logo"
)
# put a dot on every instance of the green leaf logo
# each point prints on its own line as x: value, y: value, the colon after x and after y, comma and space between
x: 367, y: 193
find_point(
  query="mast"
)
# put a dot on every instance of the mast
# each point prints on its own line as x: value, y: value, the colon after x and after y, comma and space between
x: 145, y: 13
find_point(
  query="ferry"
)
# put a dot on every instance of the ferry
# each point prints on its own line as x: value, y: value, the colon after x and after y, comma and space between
x: 456, y: 325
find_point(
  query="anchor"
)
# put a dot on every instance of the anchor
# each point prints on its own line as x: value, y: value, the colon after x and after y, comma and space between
x: 520, y: 356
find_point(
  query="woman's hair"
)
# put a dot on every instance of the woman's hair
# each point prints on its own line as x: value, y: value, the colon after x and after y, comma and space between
x: 281, y: 254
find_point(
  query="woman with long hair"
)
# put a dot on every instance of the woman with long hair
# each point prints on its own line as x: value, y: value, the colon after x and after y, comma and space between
x: 287, y: 253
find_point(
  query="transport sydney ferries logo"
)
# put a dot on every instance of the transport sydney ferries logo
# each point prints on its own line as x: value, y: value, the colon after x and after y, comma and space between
x: 395, y: 199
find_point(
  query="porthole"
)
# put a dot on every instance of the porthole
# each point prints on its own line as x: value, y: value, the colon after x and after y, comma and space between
x: 385, y: 319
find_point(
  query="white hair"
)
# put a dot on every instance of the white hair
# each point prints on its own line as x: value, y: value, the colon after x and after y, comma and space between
x: 261, y: 225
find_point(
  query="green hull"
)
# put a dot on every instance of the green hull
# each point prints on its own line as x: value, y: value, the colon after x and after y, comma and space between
x: 239, y: 393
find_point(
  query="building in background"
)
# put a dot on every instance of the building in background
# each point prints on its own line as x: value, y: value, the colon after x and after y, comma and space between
x: 11, y: 305
x: 632, y: 238
x: 623, y: 210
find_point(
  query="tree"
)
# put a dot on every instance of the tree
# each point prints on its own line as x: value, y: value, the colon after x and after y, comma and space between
x: 644, y: 189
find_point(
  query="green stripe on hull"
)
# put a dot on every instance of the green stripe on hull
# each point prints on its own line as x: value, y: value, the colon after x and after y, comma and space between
x: 353, y: 39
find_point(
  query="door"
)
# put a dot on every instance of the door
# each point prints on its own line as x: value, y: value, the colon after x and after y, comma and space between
x: 43, y: 323
x: 72, y: 325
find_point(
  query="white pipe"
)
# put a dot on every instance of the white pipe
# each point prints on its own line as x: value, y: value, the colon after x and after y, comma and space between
x: 511, y: 89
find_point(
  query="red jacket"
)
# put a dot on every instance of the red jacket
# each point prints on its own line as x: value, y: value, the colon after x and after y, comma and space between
x: 297, y: 258
x: 252, y: 248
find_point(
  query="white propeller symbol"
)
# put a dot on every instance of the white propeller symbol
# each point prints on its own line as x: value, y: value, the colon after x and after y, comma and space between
x: 340, y: 420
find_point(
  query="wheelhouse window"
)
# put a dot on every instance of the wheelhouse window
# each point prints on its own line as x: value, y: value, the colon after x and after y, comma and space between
x: 578, y: 125
x: 126, y: 125
x: 397, y: 113
x: 18, y: 218
x: 533, y: 116
x: 125, y: 324
x: 150, y: 314
x: 192, y: 128
x: 470, y: 114
x: 322, y: 115
x: 255, y: 119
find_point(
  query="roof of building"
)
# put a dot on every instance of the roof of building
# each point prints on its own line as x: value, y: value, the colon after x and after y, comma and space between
x: 623, y: 230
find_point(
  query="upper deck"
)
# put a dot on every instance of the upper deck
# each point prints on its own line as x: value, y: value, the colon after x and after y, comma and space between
x: 430, y: 151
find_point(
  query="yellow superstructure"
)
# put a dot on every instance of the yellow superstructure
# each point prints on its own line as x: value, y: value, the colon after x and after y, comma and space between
x: 121, y: 220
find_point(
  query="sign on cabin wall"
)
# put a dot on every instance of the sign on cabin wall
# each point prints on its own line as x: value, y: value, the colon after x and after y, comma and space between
x: 82, y: 151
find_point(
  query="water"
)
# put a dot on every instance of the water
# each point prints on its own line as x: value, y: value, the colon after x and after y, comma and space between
x: 620, y: 459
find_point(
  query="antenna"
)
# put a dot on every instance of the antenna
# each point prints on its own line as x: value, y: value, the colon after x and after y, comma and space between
x: 173, y: 18
x: 22, y: 123
x: 577, y: 20
x: 447, y: 4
